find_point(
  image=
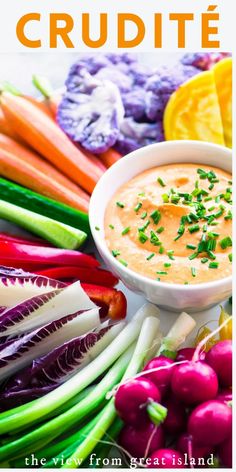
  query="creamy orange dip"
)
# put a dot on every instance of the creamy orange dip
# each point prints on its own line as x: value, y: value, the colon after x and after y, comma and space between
x: 173, y: 223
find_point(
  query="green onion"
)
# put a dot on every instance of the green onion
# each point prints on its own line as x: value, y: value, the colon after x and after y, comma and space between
x: 180, y: 232
x: 167, y: 264
x: 148, y: 258
x: 111, y: 226
x: 158, y: 279
x: 165, y: 198
x: 156, y: 216
x: 161, y: 250
x: 126, y: 230
x: 228, y: 216
x: 120, y: 204
x: 138, y: 206
x: 193, y: 228
x: 191, y: 246
x: 161, y: 272
x: 211, y: 186
x: 97, y: 228
x: 230, y: 256
x: 141, y: 194
x: 115, y: 253
x: 218, y: 213
x: 213, y: 265
x: 204, y: 260
x: 211, y: 208
x: 160, y: 230
x: 202, y: 173
x: 142, y: 237
x: 211, y: 255
x: 193, y: 271
x: 207, y: 199
x: 226, y: 242
x: 160, y: 181
x: 204, y: 228
x: 143, y: 216
x: 123, y: 262
x: 175, y: 199
x: 217, y: 199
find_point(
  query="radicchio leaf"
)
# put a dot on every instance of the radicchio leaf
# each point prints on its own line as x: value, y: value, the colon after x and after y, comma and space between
x: 19, y: 352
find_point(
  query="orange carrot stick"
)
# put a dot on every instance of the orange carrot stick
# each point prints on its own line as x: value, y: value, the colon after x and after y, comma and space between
x: 29, y: 176
x: 43, y: 134
x: 27, y: 155
x: 110, y: 157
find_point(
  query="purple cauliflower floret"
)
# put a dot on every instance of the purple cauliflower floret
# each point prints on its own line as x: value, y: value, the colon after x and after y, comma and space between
x: 122, y: 80
x: 91, y: 112
x: 135, y: 103
x: 203, y: 60
x: 162, y: 84
x: 134, y: 135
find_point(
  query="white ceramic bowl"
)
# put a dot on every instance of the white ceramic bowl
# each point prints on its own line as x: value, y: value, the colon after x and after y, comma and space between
x: 173, y: 297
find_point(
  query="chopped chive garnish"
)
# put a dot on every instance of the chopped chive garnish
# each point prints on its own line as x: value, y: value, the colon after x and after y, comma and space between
x: 142, y: 237
x: 170, y: 254
x: 191, y: 246
x: 215, y: 181
x: 211, y: 255
x: 193, y: 228
x: 180, y: 232
x: 161, y: 272
x: 230, y: 182
x: 143, y: 216
x: 158, y: 279
x: 120, y: 204
x: 211, y: 186
x: 142, y: 228
x: 204, y: 228
x: 226, y: 242
x: 193, y: 256
x: 175, y: 199
x: 204, y: 260
x: 124, y: 263
x: 141, y: 194
x: 214, y: 223
x: 161, y: 250
x: 125, y: 230
x: 210, y: 245
x: 212, y: 235
x: 217, y: 199
x: 193, y: 271
x: 227, y: 197
x: 97, y: 228
x: 115, y: 253
x: 228, y: 216
x: 111, y: 226
x: 230, y: 256
x: 148, y: 258
x: 160, y: 181
x: 165, y: 198
x: 167, y: 264
x: 218, y: 213
x: 202, y: 173
x: 207, y: 199
x: 186, y: 283
x: 213, y: 265
x: 154, y: 239
x: 196, y: 185
x: 137, y: 207
x: 156, y: 216
x: 211, y: 208
x: 160, y: 230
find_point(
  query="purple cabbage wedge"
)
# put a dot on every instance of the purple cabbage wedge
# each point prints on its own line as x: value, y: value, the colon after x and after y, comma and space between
x: 17, y: 353
x: 92, y: 114
x: 16, y: 285
x: 43, y: 309
x: 48, y: 372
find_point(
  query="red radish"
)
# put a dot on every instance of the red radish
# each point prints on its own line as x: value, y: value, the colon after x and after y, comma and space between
x: 225, y: 396
x: 140, y: 442
x: 220, y: 359
x: 132, y: 399
x: 194, y: 382
x: 176, y: 416
x: 225, y: 452
x: 186, y: 445
x: 162, y: 376
x: 210, y: 423
x: 166, y: 459
x: 186, y: 354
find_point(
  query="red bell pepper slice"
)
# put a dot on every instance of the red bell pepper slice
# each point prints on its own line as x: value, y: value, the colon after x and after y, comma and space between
x: 111, y: 300
x: 91, y: 275
x: 38, y: 255
x: 15, y: 239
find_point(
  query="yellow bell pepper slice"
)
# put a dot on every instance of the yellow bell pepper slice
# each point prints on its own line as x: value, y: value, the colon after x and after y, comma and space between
x: 193, y: 111
x: 202, y: 334
x: 223, y: 78
x: 226, y: 330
